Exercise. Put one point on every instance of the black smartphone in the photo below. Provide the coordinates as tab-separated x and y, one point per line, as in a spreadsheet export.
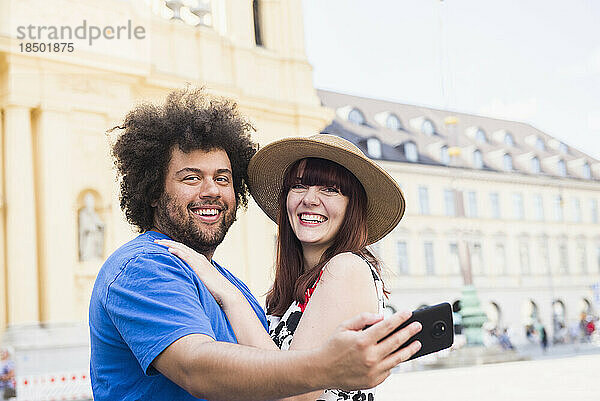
438	329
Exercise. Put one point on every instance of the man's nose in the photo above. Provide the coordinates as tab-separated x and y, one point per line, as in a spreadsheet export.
311	197
209	189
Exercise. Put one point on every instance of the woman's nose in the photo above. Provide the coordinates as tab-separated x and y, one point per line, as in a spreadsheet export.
311	197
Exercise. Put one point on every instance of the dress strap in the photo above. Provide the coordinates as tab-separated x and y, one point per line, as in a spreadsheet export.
373	270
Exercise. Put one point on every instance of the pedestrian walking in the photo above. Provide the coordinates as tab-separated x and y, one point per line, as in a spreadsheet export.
543	338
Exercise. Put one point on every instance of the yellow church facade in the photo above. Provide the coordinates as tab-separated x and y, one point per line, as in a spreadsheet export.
57	178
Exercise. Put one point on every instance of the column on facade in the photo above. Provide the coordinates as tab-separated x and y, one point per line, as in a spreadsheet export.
56	223
21	213
3	297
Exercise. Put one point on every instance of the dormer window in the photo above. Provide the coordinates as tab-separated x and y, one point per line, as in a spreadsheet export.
587	171
480	136
428	128
535	165
444	157
374	148
562	168
563	148
410	151
509	140
356	116
477	159
393	122
507	162
540	144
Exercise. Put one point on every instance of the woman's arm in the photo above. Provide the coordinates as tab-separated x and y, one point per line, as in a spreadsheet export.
345	289
246	326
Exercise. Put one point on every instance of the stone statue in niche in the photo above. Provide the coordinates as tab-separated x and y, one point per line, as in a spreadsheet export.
91	231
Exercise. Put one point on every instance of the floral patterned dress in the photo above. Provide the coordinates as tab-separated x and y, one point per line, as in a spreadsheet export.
282	329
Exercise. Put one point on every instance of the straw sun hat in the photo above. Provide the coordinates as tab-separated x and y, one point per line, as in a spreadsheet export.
269	165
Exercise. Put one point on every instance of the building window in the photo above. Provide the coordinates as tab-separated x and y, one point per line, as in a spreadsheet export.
428	128
524	258
449	202
477	159
374	148
471	204
535	165
587	171
429	260
410	151
576	205
544	253
444	157
480	136
454	259
562	168
402	254
507	162
257	23
538	207
540	144
495	205
476	259
563	148
582	257
519	212
558	208
356	116
594	210
563	258
509	140
393	122
500	259
424	200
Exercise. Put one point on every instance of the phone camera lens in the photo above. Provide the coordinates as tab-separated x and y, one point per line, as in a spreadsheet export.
439	329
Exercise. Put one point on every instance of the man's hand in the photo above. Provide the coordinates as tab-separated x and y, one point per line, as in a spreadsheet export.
354	358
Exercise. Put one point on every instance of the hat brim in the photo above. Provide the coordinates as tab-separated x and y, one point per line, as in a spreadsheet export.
267	168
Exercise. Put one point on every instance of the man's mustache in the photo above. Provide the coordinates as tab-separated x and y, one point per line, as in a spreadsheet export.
221	205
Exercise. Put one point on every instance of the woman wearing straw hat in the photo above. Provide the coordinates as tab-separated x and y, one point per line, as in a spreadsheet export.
330	201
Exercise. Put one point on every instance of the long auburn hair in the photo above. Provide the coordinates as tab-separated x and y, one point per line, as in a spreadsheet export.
292	278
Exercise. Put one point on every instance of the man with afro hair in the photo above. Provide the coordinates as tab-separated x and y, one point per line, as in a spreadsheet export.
156	332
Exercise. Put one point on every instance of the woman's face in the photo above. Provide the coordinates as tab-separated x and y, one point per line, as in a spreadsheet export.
316	213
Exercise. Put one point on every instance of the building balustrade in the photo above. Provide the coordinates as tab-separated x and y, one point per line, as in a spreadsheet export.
191	12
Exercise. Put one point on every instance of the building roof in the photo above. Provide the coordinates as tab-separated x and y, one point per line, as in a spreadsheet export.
453	130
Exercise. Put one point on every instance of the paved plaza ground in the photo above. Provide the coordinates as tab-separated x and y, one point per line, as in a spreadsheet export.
562	377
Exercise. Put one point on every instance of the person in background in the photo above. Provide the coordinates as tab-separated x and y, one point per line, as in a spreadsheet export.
7	375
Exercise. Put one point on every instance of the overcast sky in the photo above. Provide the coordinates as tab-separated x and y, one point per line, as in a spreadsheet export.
530	60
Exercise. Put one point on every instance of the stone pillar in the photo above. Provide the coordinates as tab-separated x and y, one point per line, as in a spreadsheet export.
56	222
3	297
21	213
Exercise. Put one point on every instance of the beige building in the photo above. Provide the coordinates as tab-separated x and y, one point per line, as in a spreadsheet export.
524	204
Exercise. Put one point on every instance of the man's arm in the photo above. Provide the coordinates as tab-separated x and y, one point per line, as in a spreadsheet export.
351	359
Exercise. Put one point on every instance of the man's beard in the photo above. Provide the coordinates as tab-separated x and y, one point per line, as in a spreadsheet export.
174	220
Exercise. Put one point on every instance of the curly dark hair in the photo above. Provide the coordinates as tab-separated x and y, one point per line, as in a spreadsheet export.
191	120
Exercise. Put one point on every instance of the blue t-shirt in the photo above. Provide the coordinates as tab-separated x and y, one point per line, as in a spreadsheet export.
143	300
